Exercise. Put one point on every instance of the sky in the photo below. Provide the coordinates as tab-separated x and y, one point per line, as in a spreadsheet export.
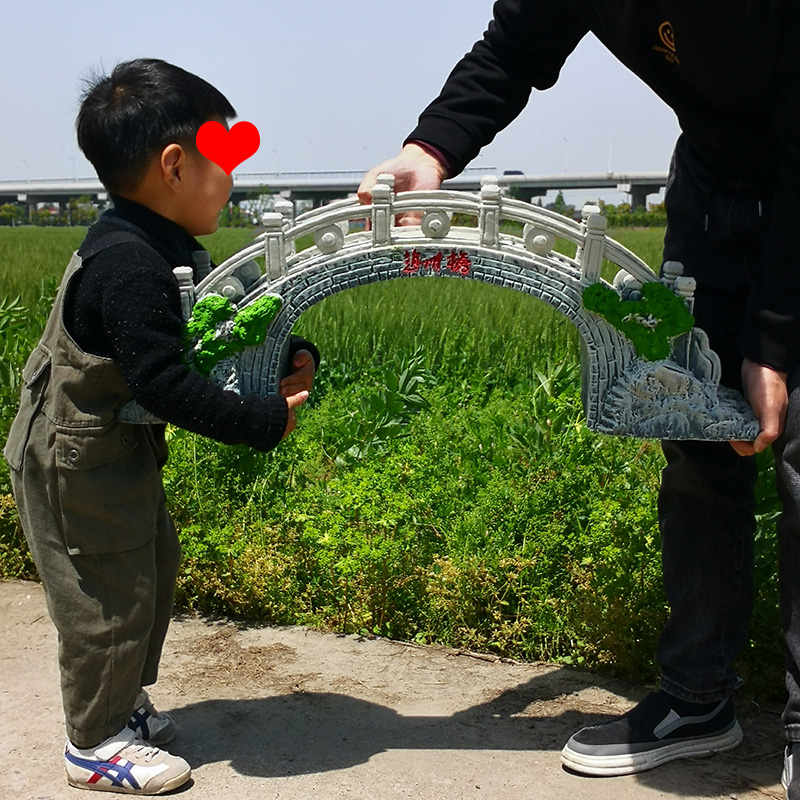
330	84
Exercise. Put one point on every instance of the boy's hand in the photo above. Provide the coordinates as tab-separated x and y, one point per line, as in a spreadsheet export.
293	401
296	386
301	378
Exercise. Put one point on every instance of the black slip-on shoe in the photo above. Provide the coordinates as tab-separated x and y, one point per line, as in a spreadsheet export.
652	734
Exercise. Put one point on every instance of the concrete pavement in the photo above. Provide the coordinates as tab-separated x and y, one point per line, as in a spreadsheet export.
297	714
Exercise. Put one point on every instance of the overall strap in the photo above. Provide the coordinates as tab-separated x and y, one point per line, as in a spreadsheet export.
106	240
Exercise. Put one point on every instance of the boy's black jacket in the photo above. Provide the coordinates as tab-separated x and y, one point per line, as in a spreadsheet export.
730	71
124	304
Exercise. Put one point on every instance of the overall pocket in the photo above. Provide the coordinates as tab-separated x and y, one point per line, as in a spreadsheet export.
109	487
35	377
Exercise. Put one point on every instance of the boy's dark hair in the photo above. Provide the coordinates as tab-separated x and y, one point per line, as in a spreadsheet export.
136	111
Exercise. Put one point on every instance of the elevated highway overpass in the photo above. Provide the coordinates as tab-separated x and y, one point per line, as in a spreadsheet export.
320	187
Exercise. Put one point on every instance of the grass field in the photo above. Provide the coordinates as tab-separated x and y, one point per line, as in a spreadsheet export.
470	328
475	511
30	255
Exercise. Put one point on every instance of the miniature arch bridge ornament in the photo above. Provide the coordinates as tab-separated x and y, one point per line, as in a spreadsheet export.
646	372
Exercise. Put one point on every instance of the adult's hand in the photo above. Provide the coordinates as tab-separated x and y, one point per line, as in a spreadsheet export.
413	169
765	388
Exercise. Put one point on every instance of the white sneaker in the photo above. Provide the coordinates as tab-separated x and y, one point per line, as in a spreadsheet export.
150	725
125	764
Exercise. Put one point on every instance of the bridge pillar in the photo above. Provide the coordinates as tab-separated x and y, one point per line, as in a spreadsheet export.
30	206
526	193
638	194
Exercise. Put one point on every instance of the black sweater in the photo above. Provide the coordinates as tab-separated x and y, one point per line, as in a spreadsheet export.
125	304
731	73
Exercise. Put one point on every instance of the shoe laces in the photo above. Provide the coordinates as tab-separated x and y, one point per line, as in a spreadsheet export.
145	751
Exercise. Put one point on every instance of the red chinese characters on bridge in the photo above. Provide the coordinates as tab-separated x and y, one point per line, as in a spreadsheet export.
457	262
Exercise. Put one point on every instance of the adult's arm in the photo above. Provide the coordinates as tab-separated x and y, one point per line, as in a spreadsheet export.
770	336
524	47
771	331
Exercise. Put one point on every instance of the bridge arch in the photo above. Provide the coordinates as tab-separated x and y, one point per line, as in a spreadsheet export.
623	393
558	285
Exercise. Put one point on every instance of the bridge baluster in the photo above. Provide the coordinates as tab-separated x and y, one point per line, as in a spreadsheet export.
202	264
594	245
489	214
274	246
588	208
670	272
185	278
286	209
684	287
381	217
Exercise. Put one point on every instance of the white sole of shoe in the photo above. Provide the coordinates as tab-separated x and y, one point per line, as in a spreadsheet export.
630	763
168	786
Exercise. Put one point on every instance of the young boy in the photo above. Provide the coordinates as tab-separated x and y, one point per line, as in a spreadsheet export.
88	487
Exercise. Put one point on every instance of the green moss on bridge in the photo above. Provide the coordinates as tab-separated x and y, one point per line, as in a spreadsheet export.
209	339
649	323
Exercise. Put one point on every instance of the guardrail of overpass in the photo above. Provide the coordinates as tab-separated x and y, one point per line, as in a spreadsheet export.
322	185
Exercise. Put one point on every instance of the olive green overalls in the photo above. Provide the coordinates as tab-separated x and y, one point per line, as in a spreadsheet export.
91	503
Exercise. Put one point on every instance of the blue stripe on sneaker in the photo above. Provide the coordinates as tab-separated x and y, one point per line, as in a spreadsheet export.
116	772
139	721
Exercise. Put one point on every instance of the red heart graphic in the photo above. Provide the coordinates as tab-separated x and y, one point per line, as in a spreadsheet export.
228	148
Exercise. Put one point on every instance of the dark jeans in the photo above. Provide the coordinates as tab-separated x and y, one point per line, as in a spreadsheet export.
787	461
716	230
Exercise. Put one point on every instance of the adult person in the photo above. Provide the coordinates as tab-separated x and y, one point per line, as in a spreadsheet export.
731	73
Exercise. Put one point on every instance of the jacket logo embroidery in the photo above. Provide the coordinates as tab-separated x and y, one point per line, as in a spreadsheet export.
667	47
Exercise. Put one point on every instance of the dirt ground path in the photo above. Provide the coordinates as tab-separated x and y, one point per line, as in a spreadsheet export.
296	714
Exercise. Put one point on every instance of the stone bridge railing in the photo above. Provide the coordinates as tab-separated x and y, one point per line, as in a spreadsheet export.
630	386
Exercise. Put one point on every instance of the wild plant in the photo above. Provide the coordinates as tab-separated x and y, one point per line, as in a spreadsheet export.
383	413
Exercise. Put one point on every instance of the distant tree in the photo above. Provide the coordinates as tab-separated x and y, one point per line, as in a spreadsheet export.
48	217
657	215
11	214
623	216
608	209
559	205
81	211
232	216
